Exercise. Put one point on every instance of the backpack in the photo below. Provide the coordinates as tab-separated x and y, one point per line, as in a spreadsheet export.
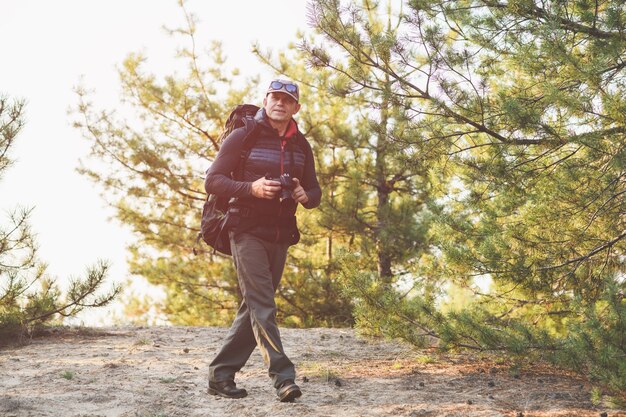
215	210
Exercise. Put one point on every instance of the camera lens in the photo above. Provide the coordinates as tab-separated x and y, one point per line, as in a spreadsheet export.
286	182
286	185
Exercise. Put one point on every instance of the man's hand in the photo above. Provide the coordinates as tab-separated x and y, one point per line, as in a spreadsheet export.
263	188
298	193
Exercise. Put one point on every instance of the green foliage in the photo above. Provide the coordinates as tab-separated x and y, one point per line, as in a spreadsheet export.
29	298
595	344
514	112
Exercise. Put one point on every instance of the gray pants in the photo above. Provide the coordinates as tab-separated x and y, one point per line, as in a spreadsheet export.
259	267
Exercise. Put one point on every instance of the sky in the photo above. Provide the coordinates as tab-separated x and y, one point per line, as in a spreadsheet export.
50	47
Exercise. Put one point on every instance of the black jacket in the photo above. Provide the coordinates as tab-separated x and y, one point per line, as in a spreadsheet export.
271	154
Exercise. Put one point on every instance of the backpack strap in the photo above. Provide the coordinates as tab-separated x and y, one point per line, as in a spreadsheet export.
250	125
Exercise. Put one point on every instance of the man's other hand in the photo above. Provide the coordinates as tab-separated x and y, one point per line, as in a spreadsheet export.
298	193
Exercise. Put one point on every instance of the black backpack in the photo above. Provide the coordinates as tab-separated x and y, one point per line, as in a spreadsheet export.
215	210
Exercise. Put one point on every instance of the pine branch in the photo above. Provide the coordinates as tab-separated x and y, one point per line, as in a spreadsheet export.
537	12
589	255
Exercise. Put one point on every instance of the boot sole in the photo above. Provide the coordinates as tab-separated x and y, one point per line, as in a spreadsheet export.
290	395
221	394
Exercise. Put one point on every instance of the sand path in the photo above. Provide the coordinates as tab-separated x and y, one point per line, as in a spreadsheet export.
161	371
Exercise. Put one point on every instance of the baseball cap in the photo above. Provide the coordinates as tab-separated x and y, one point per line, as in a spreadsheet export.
284	86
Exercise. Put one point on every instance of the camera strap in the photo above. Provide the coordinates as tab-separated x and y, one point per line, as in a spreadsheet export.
287	146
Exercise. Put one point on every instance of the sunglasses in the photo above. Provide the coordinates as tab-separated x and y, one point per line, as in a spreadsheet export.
290	88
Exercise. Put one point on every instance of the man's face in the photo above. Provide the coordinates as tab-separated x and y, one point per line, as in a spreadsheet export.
280	107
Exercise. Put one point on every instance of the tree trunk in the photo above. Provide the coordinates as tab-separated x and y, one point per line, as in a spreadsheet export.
383	191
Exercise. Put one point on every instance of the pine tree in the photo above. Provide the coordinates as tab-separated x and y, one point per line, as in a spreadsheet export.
153	175
28	296
373	198
516	109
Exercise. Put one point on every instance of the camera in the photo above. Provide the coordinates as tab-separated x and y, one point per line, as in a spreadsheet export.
286	185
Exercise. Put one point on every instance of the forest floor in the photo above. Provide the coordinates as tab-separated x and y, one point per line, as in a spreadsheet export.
162	371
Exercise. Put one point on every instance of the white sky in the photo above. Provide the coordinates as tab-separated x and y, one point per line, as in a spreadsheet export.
46	46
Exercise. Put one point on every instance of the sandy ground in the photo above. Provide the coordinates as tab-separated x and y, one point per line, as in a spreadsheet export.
162	371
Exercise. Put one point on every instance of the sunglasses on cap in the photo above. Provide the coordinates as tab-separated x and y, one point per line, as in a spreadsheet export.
289	87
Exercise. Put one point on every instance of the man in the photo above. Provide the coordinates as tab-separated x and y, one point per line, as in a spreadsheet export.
262	225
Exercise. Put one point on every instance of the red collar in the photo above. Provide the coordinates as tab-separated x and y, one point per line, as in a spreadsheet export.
292	129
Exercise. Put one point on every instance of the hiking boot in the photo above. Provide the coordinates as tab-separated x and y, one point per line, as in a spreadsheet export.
226	389
288	391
